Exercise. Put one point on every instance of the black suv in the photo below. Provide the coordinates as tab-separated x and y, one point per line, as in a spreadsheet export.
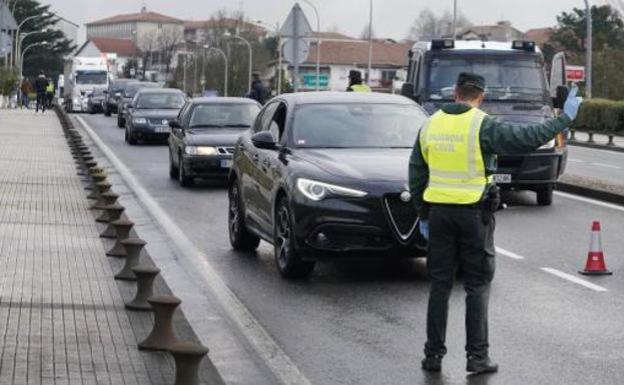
202	138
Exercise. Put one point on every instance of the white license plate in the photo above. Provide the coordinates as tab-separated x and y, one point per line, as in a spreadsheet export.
226	163
502	178
161	129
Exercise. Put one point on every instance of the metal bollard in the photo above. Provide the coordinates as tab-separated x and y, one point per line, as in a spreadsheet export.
114	212
187	357
122	229
162	336
145	287
105	217
133	248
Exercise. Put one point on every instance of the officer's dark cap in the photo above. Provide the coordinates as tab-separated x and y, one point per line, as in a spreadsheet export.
355	74
467	79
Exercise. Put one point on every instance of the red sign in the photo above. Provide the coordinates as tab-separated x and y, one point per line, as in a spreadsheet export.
575	73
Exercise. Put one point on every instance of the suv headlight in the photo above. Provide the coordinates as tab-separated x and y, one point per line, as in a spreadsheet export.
201	150
317	191
548	146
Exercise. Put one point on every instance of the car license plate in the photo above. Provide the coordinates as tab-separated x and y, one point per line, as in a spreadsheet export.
162	129
502	178
226	163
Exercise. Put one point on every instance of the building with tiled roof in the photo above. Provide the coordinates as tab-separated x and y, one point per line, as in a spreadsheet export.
339	56
202	30
116	51
144	28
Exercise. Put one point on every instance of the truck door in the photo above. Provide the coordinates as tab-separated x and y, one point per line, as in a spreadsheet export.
558	89
411	88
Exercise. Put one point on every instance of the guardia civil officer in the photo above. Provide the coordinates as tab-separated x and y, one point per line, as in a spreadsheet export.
355	82
450	179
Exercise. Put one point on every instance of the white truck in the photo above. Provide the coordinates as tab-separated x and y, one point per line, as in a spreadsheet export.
82	76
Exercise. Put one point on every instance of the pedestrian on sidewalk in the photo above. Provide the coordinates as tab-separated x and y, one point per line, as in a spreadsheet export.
26	89
40	87
49	97
258	91
355	82
450	178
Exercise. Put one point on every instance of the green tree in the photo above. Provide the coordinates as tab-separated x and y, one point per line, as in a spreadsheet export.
608	46
51	57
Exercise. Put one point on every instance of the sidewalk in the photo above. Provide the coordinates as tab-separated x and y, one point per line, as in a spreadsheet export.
62	316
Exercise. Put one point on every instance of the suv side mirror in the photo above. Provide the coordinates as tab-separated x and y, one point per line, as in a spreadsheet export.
562	95
264	140
174	123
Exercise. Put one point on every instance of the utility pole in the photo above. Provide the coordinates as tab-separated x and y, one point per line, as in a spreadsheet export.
370	41
588	52
454	29
296	49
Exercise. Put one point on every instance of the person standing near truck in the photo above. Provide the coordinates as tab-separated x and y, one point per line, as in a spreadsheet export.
40	87
450	178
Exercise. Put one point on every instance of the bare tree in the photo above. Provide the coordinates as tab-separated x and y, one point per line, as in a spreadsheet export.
168	42
364	35
429	26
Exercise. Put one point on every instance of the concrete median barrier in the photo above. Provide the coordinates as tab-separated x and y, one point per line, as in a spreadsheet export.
188	357
145	276
163	336
133	248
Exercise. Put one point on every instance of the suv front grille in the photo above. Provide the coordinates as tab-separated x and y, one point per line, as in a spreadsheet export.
158	121
403	216
225	150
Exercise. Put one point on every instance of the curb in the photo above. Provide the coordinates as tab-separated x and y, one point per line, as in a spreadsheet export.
596	146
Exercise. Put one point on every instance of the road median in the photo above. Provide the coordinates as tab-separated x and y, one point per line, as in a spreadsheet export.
593	188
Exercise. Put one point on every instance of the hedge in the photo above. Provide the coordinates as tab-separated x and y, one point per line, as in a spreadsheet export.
601	116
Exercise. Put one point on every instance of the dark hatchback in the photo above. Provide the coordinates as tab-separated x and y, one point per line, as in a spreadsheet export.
325	174
114	93
202	138
126	98
150	114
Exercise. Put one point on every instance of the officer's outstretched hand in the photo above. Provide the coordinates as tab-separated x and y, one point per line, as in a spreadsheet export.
423	226
573	103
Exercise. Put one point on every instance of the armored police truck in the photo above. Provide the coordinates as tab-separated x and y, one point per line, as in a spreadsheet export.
517	90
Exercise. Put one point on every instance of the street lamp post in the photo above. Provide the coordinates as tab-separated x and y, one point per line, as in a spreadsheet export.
588	52
17	32
370	41
250	54
454	28
225	61
318	44
23	53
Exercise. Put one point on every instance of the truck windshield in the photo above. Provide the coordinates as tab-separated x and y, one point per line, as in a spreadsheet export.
91	77
505	78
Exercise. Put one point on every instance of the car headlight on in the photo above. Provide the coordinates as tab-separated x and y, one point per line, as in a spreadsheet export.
139	121
317	191
548	146
201	150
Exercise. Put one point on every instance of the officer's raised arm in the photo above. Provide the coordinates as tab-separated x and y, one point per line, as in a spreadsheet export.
507	138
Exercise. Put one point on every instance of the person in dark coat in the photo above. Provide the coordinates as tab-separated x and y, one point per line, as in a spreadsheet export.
40	87
258	90
26	89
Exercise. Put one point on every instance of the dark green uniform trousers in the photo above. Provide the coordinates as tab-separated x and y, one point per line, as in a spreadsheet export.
458	237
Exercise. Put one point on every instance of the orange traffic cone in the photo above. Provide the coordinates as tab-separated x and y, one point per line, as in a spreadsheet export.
595	258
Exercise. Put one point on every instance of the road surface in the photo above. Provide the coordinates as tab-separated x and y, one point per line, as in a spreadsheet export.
363	322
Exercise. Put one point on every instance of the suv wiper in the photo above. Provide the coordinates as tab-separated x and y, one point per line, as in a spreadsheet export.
206	126
237	125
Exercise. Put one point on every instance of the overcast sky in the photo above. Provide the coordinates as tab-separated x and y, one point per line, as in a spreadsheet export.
392	18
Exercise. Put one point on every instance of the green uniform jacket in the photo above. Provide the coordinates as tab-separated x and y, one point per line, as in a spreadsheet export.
496	137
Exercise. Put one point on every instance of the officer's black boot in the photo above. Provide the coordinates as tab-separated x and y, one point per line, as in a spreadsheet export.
432	363
481	365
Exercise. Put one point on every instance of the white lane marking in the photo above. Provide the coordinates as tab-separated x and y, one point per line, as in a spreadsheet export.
275	358
605	165
590	201
508	253
575	160
573	279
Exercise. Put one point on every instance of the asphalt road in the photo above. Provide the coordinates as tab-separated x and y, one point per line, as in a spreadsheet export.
362	322
595	163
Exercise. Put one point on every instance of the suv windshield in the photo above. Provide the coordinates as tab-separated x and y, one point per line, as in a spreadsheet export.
505	78
91	77
357	125
223	115
160	101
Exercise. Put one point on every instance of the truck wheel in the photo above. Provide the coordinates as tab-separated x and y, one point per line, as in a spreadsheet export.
545	196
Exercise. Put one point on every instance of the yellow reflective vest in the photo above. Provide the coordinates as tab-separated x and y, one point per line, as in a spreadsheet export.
451	147
50	87
360	88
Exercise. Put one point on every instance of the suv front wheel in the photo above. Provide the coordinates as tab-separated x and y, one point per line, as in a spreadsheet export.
289	262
